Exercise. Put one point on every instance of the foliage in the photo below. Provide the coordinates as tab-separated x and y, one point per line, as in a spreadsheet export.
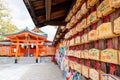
6	26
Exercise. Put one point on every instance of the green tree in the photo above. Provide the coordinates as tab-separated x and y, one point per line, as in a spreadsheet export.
6	26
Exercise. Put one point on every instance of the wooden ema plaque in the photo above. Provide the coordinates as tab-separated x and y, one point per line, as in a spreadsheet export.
74	9
84	9
104	9
72	42
68	26
84	38
92	35
77	53
69	16
92	18
109	30
115	3
88	20
75	65
83	23
94	74
85	71
99	30
73	20
74	31
79	68
77	40
78	15
78	27
68	53
72	64
78	4
105	31
91	3
85	54
110	56
94	54
71	53
117	26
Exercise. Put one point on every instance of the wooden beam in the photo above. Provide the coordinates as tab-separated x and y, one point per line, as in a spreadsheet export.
48	9
26	40
32	12
58	7
14	44
55	2
56	23
38	4
58	14
40	12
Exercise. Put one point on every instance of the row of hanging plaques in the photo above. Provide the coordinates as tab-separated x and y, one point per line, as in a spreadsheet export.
104	31
88	72
107	55
104	9
105	6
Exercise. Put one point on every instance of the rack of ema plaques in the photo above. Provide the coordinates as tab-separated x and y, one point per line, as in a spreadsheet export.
93	39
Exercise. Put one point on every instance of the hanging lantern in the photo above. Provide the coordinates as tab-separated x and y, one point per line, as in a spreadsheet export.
25	46
22	45
32	45
14	50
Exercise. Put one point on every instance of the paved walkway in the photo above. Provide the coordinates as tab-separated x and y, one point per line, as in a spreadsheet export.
40	71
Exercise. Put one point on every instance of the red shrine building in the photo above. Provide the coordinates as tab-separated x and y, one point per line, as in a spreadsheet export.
27	43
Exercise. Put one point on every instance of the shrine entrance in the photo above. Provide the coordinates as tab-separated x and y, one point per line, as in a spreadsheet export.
28	50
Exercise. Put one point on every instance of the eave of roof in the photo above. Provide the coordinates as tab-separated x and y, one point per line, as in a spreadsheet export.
26	30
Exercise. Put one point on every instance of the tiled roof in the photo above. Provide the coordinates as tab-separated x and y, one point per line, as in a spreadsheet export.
27	30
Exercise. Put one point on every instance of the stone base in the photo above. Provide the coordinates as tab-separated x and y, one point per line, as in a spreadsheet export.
15	60
36	60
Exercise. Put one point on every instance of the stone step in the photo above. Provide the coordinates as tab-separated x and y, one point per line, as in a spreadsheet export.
26	60
23	60
7	60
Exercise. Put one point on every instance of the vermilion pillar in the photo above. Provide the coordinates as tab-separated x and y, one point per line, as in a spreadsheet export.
17	51
37	51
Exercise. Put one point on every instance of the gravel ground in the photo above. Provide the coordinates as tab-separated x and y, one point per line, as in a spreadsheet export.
40	71
43	71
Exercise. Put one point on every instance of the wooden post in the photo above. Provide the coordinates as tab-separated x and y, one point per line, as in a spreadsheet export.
17	51
37	51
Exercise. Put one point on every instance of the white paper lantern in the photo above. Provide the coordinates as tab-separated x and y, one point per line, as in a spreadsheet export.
14	50
32	45
22	45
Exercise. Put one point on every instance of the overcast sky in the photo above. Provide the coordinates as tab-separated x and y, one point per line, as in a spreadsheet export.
21	18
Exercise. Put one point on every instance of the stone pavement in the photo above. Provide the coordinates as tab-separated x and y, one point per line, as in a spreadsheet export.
40	71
